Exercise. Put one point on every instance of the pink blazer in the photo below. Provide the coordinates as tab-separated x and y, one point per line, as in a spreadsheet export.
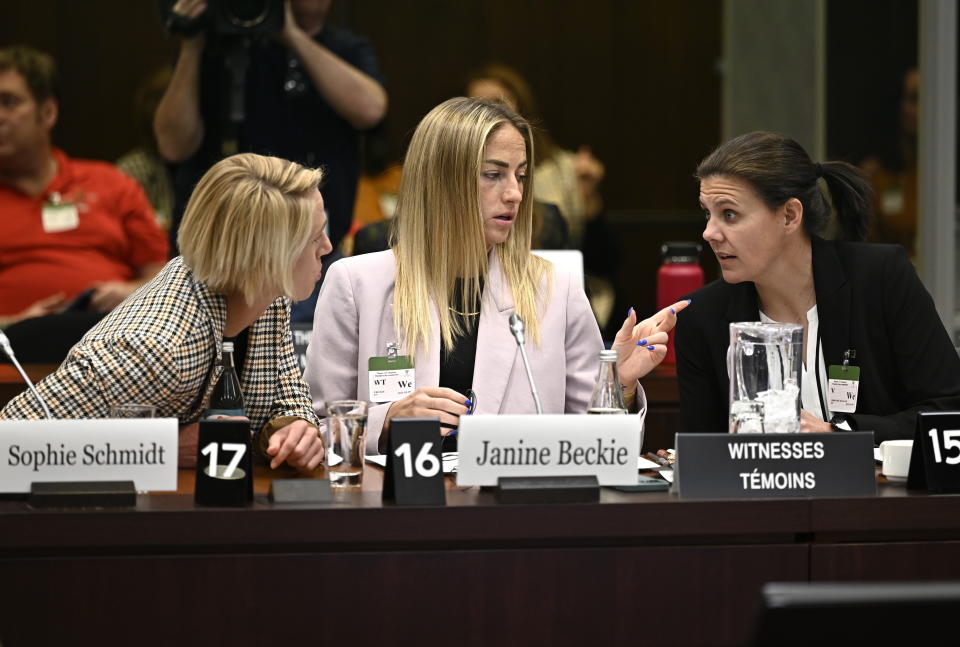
354	321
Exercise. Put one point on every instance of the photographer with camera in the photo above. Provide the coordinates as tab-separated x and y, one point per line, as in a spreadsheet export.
268	77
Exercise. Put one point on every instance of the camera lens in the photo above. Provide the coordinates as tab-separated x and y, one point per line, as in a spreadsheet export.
246	13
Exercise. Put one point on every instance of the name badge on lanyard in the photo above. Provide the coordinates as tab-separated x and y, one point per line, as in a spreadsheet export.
391	377
59	216
844	385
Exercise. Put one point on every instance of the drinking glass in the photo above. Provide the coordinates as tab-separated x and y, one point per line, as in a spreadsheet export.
347	425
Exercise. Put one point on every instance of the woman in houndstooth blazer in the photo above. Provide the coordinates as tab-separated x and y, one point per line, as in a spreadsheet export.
251	238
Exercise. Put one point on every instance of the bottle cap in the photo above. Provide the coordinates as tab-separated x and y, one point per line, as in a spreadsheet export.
608	356
682	251
227	347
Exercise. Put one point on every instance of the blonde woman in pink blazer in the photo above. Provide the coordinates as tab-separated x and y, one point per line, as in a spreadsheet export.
459	266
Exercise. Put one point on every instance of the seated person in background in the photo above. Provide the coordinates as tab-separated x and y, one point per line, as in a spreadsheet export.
892	173
564	178
251	238
460	266
764	209
69	226
143	162
549	232
569	180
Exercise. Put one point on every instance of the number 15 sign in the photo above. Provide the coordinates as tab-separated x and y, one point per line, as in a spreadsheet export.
935	461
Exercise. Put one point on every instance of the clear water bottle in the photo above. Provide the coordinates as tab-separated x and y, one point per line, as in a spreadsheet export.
607	395
226	399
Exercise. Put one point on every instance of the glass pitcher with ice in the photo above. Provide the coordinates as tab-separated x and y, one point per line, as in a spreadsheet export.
764	361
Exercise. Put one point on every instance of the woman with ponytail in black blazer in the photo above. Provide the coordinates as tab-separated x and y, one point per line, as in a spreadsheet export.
857	301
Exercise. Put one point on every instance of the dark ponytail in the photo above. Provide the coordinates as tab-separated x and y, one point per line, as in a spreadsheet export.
778	168
851	198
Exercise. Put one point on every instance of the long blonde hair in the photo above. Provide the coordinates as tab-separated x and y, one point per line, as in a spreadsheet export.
438	236
246	223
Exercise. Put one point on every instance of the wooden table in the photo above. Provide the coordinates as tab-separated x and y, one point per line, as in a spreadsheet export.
634	569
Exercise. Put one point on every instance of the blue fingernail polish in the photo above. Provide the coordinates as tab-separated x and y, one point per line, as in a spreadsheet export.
629	311
689	300
642	342
672	311
651	347
468	403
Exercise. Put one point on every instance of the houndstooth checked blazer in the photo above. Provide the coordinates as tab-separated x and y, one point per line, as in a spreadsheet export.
162	347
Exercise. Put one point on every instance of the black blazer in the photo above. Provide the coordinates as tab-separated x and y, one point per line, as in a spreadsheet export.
869	299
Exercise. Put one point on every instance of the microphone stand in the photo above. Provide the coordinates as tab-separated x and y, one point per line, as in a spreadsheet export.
517	328
8	350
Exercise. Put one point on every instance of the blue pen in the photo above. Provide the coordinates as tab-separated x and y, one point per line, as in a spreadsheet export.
471	404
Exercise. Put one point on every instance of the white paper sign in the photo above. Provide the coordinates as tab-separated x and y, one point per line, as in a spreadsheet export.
142	450
548	445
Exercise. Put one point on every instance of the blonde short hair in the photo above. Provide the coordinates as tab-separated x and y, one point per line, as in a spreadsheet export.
438	235
247	221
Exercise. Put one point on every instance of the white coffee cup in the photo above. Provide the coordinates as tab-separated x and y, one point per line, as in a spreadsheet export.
895	455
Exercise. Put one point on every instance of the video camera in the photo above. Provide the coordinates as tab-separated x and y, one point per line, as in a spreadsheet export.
227	17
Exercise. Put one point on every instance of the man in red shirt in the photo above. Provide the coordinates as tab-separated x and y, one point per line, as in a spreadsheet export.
67	227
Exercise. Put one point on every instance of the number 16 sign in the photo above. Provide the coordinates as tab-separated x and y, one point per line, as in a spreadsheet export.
414	475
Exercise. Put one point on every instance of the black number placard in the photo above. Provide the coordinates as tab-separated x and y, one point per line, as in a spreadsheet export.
224	475
414	473
935	459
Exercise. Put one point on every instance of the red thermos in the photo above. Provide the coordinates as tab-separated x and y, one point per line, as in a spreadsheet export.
680	274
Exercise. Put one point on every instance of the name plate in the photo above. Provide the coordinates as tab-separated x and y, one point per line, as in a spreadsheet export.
142	450
491	447
731	466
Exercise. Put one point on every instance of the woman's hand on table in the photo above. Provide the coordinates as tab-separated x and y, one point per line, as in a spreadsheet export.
430	402
809	423
299	444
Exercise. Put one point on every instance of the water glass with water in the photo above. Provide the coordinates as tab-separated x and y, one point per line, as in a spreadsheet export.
347	425
764	362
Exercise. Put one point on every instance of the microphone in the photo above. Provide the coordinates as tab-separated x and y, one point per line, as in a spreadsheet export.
517	328
8	350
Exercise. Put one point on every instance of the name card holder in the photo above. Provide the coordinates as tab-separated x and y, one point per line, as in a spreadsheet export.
935	458
734	466
83	494
301	490
547	489
414	474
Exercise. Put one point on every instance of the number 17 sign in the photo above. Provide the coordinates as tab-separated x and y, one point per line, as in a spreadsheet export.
935	460
414	474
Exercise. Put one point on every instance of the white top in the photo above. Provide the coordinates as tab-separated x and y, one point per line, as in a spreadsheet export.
809	394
